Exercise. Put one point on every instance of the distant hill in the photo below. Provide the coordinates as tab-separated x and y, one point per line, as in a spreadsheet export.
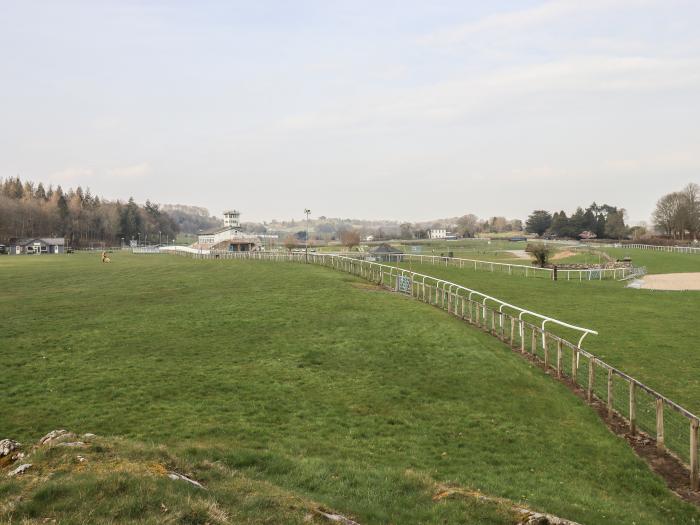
191	219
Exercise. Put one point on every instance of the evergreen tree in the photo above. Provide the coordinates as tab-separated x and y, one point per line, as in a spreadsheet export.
130	220
560	224
40	193
615	225
63	213
538	222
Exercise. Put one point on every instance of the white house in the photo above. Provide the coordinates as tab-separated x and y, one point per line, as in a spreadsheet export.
437	234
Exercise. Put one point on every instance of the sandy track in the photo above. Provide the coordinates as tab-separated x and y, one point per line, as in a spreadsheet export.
671	281
562	255
520	254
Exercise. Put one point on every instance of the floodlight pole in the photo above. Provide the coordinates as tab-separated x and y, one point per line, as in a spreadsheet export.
306	237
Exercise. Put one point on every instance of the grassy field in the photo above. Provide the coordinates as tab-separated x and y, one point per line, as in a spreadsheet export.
655	262
481	249
302	384
498	250
650	334
658	262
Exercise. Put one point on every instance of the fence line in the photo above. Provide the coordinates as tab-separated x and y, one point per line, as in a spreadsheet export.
675	249
674	428
591	274
146	249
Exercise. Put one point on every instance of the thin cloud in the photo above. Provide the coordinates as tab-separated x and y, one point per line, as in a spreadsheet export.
451	101
509	21
71	175
130	172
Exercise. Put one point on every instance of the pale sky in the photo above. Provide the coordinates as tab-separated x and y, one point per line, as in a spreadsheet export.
404	109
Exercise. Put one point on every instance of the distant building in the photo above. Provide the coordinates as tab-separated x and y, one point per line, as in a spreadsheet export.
36	246
230	238
586	235
441	234
232	219
385	252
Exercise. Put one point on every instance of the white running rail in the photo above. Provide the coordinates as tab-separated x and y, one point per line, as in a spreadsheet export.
388	275
591	274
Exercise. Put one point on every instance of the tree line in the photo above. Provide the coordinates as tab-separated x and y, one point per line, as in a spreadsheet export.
34	210
594	222
677	214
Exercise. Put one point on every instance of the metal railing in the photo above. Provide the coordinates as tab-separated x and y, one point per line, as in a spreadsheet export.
590	274
146	249
674	428
657	248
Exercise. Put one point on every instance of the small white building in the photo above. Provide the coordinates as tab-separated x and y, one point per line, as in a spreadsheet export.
232	219
229	237
437	234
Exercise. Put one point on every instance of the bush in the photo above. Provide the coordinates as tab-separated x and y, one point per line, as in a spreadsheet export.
540	251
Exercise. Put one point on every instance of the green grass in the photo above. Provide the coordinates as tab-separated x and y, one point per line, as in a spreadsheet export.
655	262
650	334
307	380
483	250
659	262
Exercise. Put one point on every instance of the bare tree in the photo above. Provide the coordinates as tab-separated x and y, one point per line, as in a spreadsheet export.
665	213
406	230
349	238
691	198
468	225
290	242
678	213
498	224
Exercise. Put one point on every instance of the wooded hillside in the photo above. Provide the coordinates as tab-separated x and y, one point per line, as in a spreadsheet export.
32	210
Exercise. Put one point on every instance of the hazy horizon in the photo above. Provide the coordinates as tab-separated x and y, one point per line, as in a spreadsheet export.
397	111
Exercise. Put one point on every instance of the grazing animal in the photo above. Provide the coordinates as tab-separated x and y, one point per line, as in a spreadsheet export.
105	259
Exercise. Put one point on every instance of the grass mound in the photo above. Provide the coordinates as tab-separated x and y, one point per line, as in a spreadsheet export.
123	481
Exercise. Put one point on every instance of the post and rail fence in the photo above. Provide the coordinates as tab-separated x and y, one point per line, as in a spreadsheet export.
660	248
589	274
674	428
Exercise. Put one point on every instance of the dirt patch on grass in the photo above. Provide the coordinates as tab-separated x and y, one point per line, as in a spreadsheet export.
671	281
520	254
562	255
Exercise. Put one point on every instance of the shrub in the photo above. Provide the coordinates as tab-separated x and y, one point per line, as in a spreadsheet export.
540	252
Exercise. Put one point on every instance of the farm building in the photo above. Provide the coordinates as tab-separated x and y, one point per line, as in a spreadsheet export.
385	252
36	246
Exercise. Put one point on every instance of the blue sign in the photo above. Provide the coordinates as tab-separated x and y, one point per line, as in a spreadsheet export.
403	284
